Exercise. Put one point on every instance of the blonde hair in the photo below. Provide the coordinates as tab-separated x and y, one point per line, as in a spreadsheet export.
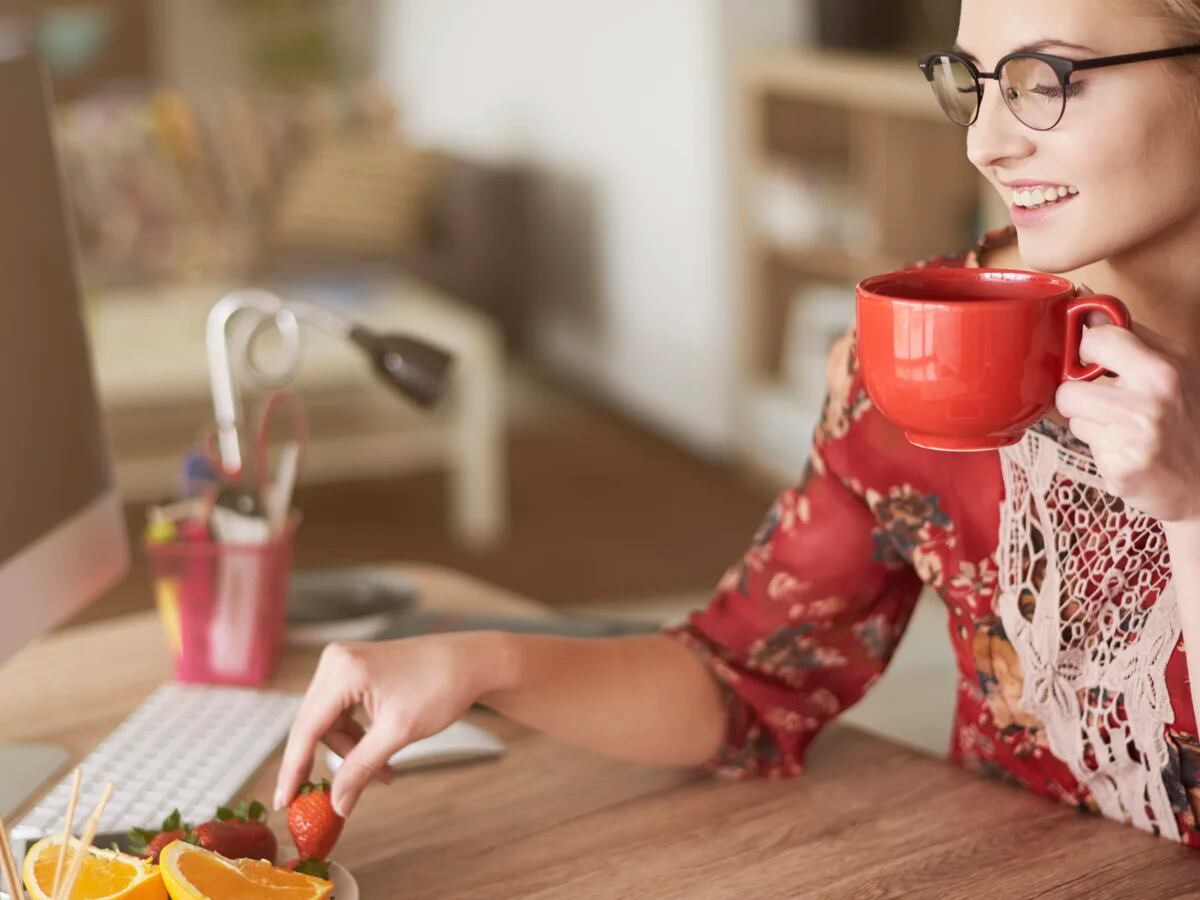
1181	25
1182	18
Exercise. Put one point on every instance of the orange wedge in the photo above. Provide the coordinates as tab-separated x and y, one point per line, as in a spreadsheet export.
106	874
193	873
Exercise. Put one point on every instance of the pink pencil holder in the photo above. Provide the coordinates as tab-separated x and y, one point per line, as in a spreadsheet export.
223	606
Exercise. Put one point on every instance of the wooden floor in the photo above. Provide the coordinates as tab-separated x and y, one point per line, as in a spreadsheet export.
600	510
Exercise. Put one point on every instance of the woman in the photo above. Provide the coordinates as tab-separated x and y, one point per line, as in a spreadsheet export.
1054	557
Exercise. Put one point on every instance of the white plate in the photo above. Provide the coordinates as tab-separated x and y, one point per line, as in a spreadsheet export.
344	885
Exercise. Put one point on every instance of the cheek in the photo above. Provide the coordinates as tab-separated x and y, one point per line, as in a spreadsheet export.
1151	194
1113	138
1138	175
1141	164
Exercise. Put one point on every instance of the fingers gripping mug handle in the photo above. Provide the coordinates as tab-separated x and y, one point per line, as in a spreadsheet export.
1077	310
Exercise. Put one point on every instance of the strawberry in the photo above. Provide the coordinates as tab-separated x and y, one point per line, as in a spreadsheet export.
149	843
240	833
159	843
315	827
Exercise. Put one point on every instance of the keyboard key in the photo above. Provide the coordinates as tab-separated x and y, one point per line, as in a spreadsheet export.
192	746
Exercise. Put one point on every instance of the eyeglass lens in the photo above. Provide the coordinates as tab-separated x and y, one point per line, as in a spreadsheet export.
956	89
1030	87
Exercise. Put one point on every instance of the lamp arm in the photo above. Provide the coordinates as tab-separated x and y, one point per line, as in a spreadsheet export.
413	366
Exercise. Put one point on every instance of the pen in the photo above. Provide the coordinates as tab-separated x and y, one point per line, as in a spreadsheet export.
197	476
279	502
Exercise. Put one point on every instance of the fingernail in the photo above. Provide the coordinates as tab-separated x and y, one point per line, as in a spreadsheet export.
278	801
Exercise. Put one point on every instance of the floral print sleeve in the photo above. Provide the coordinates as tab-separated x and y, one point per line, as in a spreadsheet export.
806	621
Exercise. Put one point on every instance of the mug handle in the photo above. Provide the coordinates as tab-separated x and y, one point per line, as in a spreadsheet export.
1077	310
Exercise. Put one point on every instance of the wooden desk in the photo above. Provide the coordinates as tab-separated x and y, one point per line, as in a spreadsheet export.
869	819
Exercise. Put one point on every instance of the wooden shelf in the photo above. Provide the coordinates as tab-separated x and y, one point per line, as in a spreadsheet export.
887	85
905	163
833	263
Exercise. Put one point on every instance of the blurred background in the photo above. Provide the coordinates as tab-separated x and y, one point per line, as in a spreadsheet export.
638	225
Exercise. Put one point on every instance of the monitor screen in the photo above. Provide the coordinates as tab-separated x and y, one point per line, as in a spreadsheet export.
52	460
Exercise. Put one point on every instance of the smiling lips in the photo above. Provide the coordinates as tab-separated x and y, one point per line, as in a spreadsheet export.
1042	195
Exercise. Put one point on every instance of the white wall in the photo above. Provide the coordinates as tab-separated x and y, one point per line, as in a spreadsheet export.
622	103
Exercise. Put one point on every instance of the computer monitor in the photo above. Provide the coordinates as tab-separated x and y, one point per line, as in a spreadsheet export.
62	532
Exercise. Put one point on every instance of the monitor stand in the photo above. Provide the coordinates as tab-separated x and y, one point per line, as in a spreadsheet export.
24	770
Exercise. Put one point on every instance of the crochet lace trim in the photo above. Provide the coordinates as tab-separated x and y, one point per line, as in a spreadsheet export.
1087	600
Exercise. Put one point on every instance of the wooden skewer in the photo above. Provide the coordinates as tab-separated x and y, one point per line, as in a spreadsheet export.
89	833
15	890
67	826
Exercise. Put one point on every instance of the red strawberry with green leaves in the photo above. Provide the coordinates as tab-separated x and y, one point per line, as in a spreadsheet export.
314	825
240	833
149	843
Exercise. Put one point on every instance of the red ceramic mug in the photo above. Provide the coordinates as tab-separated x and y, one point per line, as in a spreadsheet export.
967	359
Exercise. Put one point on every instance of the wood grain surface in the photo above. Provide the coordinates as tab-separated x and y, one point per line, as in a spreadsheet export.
868	819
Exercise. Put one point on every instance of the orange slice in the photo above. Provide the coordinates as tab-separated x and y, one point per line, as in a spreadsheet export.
106	874
193	873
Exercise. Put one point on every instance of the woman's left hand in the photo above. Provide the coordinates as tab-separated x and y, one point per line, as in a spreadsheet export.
1144	427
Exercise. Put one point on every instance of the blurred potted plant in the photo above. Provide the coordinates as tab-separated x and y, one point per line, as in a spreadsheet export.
290	43
932	23
858	24
895	25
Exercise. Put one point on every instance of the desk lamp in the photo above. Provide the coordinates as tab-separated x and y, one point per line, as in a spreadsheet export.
412	366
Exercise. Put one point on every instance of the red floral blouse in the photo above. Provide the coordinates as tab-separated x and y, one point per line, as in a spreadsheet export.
808	619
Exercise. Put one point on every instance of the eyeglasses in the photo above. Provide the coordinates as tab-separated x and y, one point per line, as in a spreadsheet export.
1035	86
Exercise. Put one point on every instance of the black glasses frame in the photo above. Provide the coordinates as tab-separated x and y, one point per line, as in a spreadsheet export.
1064	68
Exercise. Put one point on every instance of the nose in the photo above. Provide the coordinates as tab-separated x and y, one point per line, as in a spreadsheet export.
996	135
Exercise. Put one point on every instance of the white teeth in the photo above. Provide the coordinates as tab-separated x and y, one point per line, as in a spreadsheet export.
1042	195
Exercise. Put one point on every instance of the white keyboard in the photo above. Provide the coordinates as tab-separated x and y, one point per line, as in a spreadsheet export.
187	747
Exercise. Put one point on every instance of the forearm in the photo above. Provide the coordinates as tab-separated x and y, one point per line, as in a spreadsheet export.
1183	539
646	699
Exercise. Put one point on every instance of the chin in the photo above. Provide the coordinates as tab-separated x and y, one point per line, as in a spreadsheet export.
1053	253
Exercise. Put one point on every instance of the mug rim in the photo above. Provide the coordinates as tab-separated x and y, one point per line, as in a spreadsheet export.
1056	286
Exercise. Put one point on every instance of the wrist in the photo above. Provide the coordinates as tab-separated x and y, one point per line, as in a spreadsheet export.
494	659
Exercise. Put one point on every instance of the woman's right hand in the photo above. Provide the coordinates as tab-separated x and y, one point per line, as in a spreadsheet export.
409	689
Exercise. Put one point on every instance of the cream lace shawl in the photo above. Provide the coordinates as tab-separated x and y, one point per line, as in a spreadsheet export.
1087	600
